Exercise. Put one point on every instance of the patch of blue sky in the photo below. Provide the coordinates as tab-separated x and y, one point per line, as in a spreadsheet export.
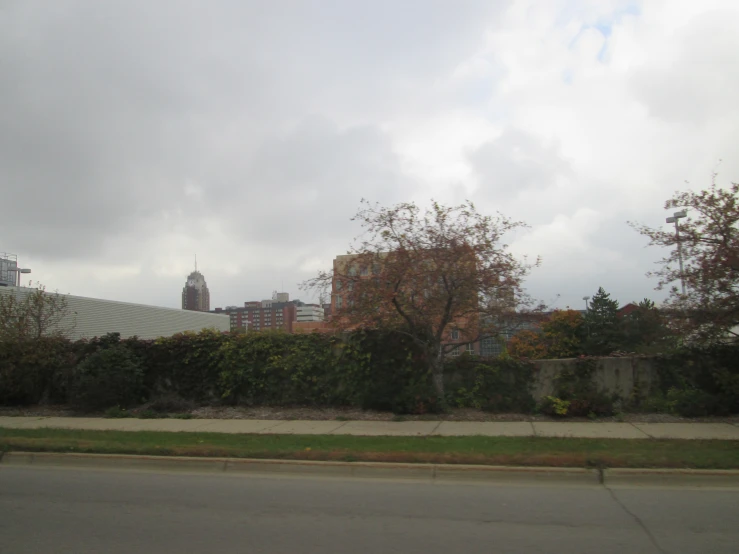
605	26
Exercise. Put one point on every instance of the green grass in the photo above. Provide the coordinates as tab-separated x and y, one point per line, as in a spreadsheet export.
525	451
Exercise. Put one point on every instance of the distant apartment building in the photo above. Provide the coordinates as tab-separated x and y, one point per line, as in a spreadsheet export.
195	294
309	312
276	313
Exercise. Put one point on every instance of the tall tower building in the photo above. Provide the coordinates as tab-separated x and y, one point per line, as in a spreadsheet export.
195	294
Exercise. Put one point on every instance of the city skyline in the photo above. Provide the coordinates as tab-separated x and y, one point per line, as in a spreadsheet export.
251	139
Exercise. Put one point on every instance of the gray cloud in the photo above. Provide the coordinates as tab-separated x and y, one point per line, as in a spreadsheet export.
111	111
516	162
689	82
134	134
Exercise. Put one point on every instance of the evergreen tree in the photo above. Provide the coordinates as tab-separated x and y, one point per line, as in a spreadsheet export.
602	325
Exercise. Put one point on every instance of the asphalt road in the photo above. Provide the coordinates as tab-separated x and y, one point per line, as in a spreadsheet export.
83	511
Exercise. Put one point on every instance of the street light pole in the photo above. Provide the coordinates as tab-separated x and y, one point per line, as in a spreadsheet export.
677	216
18	272
587	309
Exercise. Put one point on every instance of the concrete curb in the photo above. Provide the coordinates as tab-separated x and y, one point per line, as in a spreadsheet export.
376	470
629	477
301	468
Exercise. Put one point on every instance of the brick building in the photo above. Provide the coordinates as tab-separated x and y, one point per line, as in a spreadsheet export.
261	315
349	270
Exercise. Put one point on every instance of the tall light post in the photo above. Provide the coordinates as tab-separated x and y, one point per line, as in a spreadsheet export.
587	308
676	217
18	272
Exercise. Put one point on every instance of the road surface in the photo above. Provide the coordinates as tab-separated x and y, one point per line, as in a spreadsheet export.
86	511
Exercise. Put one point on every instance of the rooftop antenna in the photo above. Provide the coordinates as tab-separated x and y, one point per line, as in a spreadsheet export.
196	262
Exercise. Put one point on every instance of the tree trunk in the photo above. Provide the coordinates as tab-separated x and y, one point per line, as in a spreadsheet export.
437	377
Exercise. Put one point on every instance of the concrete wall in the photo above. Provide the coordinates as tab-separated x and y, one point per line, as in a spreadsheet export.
93	317
612	375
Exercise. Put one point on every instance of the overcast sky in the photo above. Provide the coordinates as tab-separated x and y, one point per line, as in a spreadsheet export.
136	134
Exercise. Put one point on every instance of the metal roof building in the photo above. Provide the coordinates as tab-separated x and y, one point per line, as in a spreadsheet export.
93	317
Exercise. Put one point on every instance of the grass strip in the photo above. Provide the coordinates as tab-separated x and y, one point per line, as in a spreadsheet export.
519	451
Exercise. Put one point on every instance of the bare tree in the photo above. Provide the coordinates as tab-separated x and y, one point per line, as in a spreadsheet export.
441	276
38	314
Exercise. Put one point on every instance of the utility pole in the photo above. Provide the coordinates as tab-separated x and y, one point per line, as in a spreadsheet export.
676	217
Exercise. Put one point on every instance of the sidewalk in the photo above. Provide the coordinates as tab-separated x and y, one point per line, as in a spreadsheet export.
695	431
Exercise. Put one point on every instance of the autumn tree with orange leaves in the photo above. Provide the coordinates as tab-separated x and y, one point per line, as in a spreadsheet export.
561	335
443	276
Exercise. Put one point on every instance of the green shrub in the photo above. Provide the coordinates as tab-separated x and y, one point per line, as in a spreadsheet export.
280	369
385	370
692	402
109	377
33	371
692	375
186	364
553	406
171	403
578	387
150	414
493	385
116	412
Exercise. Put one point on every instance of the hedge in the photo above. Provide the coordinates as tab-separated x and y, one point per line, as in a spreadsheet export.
364	369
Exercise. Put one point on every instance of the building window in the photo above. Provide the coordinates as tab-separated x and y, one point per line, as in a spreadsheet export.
455	334
471	349
352	270
455	351
365	271
339	301
339	284
491	347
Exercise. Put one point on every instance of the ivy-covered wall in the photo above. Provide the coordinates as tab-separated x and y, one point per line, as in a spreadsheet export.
365	369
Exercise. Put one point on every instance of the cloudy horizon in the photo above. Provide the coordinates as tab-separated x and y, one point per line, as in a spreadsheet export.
135	135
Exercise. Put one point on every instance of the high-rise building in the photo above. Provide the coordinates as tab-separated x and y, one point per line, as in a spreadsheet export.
8	269
195	294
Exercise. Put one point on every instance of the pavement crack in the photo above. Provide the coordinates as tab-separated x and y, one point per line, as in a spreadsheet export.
435	428
638	521
339	427
647	435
